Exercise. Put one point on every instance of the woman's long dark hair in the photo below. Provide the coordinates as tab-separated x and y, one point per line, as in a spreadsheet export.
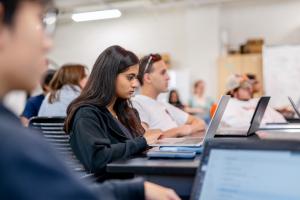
100	88
178	103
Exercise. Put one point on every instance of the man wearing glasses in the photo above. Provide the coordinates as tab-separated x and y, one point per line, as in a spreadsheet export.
154	78
29	168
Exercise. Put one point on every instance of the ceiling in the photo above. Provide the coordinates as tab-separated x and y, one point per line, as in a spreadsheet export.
71	5
67	7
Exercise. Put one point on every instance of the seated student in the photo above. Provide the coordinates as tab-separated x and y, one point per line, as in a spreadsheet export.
241	107
65	86
154	78
34	103
199	103
29	168
175	100
103	126
256	86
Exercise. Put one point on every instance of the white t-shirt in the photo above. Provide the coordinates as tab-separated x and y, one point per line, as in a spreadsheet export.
158	115
239	113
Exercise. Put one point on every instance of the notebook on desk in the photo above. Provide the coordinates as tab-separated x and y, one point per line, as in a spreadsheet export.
257	170
197	141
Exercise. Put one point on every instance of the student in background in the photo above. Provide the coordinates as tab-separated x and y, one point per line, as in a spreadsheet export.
103	126
65	86
286	111
29	168
175	100
200	104
154	78
256	86
239	87
241	107
34	103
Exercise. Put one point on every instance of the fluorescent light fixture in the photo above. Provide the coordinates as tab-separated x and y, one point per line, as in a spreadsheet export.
96	15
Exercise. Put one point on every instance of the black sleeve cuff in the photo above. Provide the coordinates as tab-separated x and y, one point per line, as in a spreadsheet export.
133	189
142	141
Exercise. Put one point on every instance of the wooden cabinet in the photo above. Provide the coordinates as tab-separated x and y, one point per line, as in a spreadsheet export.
241	64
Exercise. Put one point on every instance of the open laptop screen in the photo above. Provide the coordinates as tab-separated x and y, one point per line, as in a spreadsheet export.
248	174
243	117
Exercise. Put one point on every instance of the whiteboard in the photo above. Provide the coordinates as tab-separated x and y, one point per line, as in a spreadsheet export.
281	73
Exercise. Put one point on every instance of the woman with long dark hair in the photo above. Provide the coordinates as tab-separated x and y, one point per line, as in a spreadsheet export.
175	100
102	124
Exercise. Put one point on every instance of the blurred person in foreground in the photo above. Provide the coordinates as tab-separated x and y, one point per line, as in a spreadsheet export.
34	103
27	161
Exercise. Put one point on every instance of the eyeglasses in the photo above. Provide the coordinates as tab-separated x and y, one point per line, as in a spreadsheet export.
153	58
49	21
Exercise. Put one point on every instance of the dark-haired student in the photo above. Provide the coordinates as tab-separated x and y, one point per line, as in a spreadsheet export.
175	100
29	168
154	79
102	124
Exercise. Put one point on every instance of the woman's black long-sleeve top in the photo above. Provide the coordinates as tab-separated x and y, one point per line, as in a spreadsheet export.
97	139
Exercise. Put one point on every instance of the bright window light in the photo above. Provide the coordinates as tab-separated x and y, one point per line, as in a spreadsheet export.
96	15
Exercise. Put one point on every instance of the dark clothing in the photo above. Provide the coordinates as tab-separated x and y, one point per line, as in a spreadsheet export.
32	106
124	129
97	139
31	170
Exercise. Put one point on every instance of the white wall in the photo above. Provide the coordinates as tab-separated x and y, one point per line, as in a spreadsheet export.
189	35
277	21
202	46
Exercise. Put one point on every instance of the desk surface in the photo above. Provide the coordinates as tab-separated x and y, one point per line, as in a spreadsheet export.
177	174
144	165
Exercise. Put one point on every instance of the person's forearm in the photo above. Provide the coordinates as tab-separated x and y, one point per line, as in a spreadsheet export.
24	121
197	125
174	132
193	110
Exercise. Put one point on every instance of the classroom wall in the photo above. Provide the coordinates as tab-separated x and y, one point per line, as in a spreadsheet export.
190	36
277	21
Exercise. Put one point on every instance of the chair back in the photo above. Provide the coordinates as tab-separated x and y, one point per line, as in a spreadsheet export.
52	128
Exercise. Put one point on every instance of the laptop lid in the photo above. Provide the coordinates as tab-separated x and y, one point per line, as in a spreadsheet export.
209	133
294	107
216	119
253	125
244	170
258	114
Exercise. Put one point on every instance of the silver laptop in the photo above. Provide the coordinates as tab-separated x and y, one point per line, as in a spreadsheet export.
282	126
294	107
197	141
244	170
